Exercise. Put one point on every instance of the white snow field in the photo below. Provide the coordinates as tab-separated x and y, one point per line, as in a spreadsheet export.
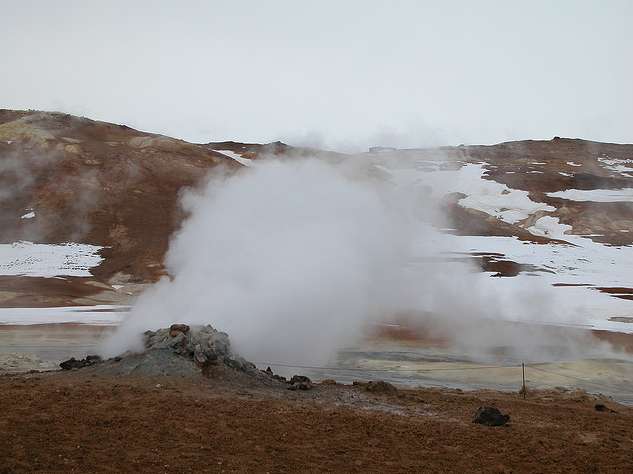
548	226
48	260
509	205
596	195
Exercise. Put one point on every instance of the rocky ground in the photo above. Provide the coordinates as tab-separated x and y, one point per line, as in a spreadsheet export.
81	421
188	404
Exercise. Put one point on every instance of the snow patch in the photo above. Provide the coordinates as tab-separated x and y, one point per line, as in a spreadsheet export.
491	197
571	163
595	195
496	199
48	260
617	165
235	156
28	215
548	226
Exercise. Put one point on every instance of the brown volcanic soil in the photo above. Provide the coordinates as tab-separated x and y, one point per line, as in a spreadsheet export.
97	183
74	422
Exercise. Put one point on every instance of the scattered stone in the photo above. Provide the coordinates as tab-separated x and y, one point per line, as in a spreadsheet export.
380	386
73	363
328	382
279	378
300	379
602	407
490	416
300	382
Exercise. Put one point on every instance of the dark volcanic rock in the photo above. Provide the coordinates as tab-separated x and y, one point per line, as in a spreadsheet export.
603	407
300	382
490	416
277	377
300	379
73	363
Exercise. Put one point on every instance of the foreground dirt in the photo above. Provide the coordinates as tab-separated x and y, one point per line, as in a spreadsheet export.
86	423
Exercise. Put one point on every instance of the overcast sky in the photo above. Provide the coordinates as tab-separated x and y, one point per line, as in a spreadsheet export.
336	73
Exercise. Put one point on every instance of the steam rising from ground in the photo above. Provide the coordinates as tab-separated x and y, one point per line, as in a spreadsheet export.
296	258
290	258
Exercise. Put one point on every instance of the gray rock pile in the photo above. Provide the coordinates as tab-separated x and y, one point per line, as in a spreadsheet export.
203	344
187	351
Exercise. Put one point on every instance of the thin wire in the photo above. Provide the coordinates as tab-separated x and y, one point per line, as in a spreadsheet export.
436	369
395	369
571	377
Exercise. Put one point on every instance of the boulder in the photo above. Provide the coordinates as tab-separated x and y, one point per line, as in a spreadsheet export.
490	416
603	407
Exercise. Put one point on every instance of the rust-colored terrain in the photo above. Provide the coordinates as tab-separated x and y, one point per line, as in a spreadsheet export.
97	183
75	422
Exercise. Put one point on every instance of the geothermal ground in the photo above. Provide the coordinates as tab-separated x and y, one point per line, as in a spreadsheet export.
87	213
187	403
76	422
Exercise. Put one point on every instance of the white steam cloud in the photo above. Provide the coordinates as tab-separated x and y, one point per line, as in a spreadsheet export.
294	258
290	258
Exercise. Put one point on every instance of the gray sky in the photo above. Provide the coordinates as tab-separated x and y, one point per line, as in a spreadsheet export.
332	73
